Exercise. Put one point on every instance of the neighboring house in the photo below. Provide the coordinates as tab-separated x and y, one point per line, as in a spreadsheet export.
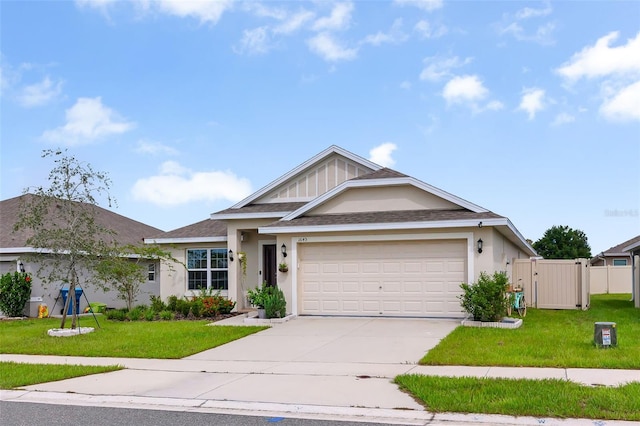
359	239
634	250
14	251
616	255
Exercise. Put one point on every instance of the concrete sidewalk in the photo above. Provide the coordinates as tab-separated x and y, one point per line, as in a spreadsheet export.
307	367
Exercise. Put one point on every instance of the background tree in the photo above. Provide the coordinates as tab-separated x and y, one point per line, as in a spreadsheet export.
62	222
562	242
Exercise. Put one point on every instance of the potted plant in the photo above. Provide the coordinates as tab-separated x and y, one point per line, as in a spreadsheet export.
283	267
256	296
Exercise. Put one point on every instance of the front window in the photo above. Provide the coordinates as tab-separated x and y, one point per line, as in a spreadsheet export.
207	269
619	262
151	272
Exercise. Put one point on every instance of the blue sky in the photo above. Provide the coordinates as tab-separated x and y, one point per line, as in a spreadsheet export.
529	109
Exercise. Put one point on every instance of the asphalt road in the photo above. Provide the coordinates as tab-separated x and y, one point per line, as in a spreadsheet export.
29	414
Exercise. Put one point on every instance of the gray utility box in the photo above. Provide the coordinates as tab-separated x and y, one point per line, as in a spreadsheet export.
31	307
605	334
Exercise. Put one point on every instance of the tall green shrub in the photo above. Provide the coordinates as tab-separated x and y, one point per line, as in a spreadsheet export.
485	300
275	305
15	290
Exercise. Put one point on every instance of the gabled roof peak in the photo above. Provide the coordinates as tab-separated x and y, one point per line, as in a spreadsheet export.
333	149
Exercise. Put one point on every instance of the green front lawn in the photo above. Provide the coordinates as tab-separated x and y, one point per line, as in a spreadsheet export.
140	339
548	338
14	375
538	398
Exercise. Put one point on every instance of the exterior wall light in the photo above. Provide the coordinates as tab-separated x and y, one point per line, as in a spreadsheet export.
21	266
283	249
479	245
230	255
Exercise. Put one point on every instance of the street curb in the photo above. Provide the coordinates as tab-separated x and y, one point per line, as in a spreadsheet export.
300	411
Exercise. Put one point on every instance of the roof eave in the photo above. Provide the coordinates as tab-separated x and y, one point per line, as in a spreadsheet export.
185	240
261	215
381	226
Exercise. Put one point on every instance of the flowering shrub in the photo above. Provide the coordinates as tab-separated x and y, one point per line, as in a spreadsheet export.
216	305
15	290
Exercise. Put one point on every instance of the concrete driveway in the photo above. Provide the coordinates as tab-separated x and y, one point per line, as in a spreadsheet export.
308	361
337	340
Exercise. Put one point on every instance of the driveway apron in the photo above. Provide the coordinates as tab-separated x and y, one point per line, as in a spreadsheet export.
340	362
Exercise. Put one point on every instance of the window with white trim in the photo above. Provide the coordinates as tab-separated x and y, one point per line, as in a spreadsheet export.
619	262
151	272
207	268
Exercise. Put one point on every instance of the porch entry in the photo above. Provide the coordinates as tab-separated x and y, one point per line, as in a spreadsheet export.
269	267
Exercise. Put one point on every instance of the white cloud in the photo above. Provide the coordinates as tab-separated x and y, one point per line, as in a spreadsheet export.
439	67
426	30
339	19
617	68
330	49
294	22
176	185
205	10
465	89
88	120
40	93
469	91
405	85
394	36
563	118
624	105
601	60
255	41
513	25
532	101
529	12
428	5
381	154
153	148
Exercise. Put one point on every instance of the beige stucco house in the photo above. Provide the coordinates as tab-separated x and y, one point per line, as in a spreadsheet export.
358	239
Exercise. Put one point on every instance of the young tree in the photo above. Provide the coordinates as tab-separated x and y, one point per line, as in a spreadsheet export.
562	242
124	273
62	222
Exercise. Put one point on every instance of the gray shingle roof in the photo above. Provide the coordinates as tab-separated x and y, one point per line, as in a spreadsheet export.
264	208
127	231
386	217
204	228
617	250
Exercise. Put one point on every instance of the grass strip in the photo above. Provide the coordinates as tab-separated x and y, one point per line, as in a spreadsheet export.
15	374
140	339
548	338
537	398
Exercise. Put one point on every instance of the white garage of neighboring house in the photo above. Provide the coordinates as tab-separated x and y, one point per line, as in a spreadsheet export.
357	238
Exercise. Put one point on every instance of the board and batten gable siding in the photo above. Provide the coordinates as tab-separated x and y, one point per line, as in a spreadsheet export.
316	181
405	197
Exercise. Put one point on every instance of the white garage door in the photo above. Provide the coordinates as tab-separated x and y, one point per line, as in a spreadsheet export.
389	278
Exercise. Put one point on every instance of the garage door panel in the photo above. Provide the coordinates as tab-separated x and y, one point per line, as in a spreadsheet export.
394	278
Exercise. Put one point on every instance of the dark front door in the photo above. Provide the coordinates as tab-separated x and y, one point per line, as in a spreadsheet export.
269	271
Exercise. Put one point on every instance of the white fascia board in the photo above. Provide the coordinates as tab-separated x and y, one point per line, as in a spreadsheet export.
632	247
369	183
382	226
184	240
331	150
5	250
234	216
522	239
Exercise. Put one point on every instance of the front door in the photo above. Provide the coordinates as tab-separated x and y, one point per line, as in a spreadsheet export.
269	271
